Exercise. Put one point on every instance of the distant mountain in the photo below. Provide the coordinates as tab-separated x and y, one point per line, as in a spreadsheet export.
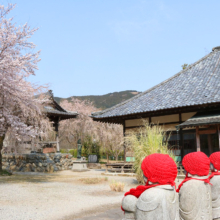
104	101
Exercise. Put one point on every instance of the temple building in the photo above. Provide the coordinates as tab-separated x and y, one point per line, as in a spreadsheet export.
187	105
55	113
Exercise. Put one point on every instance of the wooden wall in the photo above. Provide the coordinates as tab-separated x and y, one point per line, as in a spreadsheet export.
167	121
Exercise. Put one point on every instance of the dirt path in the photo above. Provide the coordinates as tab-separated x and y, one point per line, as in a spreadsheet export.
38	196
110	214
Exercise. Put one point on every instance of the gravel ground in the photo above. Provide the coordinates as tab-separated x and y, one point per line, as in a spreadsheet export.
39	196
111	214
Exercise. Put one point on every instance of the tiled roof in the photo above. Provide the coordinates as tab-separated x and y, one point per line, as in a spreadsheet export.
201	119
51	110
198	84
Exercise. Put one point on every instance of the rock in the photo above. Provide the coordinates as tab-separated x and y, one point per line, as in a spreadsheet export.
13	167
12	163
47	169
40	169
21	169
28	167
30	162
160	202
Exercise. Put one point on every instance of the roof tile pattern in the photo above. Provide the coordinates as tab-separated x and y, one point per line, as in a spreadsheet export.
51	110
198	84
199	119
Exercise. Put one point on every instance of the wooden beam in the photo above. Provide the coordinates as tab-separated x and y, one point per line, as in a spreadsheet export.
150	122
160	124
213	131
124	142
180	118
197	139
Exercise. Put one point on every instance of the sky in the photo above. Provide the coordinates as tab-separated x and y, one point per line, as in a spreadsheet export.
95	47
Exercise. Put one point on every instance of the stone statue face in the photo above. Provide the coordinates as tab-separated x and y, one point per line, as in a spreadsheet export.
145	179
212	167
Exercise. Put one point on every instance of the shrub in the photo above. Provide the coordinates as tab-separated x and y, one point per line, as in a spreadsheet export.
148	140
63	151
73	152
5	173
117	186
93	180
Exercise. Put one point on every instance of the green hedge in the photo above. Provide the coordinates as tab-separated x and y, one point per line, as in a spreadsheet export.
73	152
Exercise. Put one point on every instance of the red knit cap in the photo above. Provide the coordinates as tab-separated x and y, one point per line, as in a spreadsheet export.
159	168
215	160
196	163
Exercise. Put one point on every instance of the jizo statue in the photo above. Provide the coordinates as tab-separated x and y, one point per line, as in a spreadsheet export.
215	181
157	200
79	149
195	190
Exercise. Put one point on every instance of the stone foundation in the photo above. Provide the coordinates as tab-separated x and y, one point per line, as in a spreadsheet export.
37	162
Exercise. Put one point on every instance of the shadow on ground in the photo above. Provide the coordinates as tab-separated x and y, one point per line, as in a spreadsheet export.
35	178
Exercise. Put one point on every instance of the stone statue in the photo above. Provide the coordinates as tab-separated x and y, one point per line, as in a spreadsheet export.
129	206
215	181
160	202
158	199
79	149
195	190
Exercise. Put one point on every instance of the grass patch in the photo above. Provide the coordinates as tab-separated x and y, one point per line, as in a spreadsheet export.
148	140
93	180
117	186
5	173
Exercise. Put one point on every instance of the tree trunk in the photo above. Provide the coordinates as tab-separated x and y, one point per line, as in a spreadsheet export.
107	158
1	146
116	157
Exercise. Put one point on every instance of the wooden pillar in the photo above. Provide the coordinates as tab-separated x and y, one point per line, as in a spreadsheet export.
210	144
56	125
58	143
181	143
197	139
124	142
218	136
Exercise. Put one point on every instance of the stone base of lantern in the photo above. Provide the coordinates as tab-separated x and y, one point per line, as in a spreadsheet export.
79	166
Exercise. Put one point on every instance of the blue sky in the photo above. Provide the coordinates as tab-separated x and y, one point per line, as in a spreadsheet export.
94	47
